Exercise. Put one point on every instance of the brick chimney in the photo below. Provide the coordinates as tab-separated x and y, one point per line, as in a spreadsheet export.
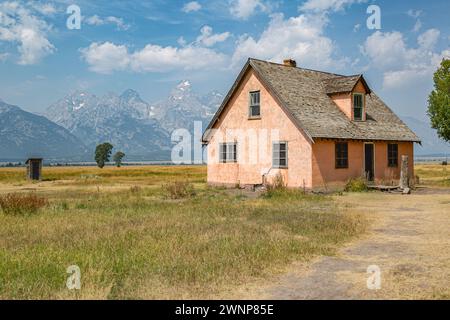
290	63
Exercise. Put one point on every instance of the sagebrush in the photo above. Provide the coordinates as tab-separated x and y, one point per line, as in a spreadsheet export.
15	203
356	185
178	190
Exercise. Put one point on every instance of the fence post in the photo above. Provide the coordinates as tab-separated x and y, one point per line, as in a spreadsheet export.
404	173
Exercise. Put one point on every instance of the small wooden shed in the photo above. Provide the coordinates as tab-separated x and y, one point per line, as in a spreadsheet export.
34	168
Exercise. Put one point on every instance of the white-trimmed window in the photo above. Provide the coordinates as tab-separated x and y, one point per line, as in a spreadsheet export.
280	154
358	106
227	152
254	110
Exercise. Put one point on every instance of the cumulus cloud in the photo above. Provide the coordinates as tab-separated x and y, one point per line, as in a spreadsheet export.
400	64
154	58
192	6
47	9
106	57
327	5
243	9
23	26
301	38
95	20
209	39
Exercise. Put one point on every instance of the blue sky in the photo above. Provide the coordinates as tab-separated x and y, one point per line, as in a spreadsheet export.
150	46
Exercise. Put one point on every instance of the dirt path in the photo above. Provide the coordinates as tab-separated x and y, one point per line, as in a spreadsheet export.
409	241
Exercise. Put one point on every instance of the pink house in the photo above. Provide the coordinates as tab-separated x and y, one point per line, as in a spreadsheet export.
316	129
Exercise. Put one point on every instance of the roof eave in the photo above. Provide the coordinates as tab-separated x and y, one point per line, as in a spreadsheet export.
224	102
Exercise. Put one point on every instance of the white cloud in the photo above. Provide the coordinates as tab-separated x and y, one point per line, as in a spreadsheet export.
208	38
414	13
400	64
417	25
44	8
22	25
95	20
154	58
299	37
192	6
108	57
243	9
327	5
428	39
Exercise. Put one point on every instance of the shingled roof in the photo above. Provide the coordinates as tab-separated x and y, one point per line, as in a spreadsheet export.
304	96
344	84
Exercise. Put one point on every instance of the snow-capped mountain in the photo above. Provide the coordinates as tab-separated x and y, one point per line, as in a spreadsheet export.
23	134
123	120
183	107
131	124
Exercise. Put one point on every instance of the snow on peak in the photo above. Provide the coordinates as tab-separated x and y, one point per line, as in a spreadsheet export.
184	85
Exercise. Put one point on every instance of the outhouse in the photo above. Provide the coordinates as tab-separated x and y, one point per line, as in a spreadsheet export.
34	168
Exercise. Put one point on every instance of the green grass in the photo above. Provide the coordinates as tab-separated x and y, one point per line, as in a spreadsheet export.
138	243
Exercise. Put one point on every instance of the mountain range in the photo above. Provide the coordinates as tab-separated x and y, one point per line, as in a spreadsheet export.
23	134
140	129
72	126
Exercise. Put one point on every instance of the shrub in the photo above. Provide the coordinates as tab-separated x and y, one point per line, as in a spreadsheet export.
276	187
277	183
15	204
178	190
356	185
135	189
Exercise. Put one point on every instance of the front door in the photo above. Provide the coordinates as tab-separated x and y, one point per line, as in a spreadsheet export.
369	161
35	170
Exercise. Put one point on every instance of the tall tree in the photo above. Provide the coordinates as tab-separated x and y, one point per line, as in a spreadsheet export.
439	101
102	153
117	158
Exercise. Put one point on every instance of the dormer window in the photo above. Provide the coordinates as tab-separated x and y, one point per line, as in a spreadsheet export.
254	105
358	106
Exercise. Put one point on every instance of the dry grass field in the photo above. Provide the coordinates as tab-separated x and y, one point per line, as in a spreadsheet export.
161	233
155	232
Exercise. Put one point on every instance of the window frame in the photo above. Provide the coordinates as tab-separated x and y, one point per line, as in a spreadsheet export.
341	156
228	152
252	105
276	158
390	157
362	106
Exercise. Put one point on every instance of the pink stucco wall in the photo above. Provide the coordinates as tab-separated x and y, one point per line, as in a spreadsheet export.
323	163
310	164
345	100
255	155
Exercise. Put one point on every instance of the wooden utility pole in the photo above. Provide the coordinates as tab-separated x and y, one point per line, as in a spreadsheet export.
404	175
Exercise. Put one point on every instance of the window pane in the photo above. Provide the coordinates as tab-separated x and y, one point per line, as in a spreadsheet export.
254	111
254	108
357	106
393	155
279	154
341	155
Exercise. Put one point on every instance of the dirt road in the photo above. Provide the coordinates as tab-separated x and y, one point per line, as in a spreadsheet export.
409	241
